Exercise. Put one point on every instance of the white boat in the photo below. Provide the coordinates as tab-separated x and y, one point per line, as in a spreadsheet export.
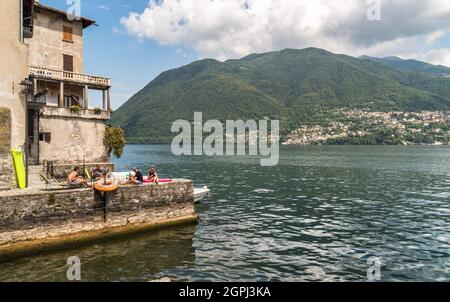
201	193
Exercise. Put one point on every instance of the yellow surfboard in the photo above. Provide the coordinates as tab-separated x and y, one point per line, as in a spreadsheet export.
19	166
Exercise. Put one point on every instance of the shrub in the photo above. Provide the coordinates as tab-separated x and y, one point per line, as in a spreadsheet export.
115	141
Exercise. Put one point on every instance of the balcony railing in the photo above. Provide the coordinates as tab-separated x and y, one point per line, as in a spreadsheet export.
96	114
62	75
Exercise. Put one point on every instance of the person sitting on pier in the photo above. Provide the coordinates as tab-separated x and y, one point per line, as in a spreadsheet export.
97	172
75	180
153	175
136	177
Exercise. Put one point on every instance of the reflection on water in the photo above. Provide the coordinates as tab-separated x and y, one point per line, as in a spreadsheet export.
136	258
318	216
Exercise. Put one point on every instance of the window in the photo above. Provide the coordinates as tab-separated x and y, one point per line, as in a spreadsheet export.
45	137
27	19
68	63
67	101
67	34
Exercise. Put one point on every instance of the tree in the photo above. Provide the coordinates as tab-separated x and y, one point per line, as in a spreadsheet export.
115	141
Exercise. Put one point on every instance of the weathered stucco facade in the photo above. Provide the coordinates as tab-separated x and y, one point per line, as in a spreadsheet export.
13	70
76	137
47	46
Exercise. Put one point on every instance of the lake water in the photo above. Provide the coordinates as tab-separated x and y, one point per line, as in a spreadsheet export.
318	216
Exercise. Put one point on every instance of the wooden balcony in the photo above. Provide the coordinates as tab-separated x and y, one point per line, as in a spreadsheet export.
66	76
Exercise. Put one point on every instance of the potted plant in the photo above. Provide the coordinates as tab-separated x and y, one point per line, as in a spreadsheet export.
74	109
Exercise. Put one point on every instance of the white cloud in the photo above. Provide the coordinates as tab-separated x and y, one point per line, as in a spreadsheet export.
181	53
434	36
103	7
436	56
234	28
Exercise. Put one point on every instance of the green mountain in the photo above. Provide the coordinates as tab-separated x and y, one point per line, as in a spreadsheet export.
412	65
294	86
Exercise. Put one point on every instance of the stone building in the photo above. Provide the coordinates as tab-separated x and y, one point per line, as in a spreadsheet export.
13	70
44	88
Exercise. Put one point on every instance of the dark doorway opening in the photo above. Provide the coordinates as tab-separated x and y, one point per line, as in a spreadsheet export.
33	137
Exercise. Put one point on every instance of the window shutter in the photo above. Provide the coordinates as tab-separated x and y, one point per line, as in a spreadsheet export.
67	34
68	63
48	137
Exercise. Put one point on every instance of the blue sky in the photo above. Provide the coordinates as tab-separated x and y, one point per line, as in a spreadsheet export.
137	40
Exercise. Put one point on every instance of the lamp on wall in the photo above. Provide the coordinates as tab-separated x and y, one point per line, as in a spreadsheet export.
26	82
27	88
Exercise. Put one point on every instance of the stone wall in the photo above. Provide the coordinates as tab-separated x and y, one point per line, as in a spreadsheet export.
39	217
75	137
24	210
156	201
61	171
6	172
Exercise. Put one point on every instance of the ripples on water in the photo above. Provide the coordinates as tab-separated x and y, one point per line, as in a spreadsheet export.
318	216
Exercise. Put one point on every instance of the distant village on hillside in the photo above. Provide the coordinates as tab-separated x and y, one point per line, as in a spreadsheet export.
359	127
